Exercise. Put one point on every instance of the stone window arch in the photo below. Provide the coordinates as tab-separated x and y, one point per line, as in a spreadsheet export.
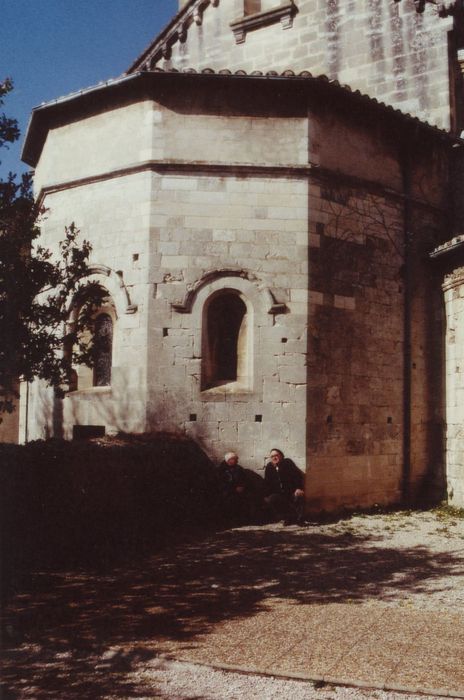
226	340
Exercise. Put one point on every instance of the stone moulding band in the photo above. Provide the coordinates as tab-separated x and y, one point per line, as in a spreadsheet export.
185	306
291	172
183	168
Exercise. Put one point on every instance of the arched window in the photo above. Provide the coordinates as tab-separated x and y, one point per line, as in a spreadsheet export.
103	350
100	351
225	340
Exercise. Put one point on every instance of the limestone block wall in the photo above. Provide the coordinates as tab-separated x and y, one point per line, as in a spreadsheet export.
427	361
257	227
297	212
95	144
383	48
454	344
212	230
355	387
374	394
161	234
113	214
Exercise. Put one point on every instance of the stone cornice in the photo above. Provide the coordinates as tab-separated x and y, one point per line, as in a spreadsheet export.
452	246
191	167
177	30
195	168
453	279
283	13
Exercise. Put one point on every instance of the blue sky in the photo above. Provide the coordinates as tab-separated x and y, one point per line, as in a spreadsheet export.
53	47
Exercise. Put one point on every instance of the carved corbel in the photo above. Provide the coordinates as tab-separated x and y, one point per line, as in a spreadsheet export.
286	21
182	33
239	35
166	51
446	9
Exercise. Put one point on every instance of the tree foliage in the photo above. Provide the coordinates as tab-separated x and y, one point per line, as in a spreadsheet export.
39	289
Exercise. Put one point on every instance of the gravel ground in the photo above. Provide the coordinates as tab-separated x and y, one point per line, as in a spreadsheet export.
441	534
88	635
173	680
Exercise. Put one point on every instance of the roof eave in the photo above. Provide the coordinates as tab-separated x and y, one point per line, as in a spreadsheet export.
41	116
30	153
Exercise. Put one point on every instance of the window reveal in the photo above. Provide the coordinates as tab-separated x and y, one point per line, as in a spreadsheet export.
103	347
225	348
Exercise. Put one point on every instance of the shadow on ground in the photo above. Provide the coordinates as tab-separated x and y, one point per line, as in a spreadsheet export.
77	633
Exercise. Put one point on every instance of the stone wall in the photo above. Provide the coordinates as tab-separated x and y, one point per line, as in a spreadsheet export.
114	214
180	227
454	296
252	224
297	208
383	48
375	388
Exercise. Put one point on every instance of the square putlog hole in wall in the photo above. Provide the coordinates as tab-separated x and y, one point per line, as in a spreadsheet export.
87	432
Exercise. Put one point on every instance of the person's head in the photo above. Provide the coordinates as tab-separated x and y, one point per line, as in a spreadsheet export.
276	455
231	458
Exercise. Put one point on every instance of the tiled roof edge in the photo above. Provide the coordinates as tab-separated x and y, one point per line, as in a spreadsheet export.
210	74
307	75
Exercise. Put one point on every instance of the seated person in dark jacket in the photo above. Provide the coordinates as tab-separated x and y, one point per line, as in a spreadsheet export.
283	485
234	488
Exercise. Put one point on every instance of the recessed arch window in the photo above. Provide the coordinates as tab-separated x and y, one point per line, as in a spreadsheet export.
103	350
226	340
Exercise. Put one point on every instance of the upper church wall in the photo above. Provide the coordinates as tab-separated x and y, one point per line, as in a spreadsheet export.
172	132
231	121
383	48
95	144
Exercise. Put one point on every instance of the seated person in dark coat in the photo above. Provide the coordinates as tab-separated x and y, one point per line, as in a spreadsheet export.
283	485
234	488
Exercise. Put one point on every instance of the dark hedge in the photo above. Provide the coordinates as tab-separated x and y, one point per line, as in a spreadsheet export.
80	502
